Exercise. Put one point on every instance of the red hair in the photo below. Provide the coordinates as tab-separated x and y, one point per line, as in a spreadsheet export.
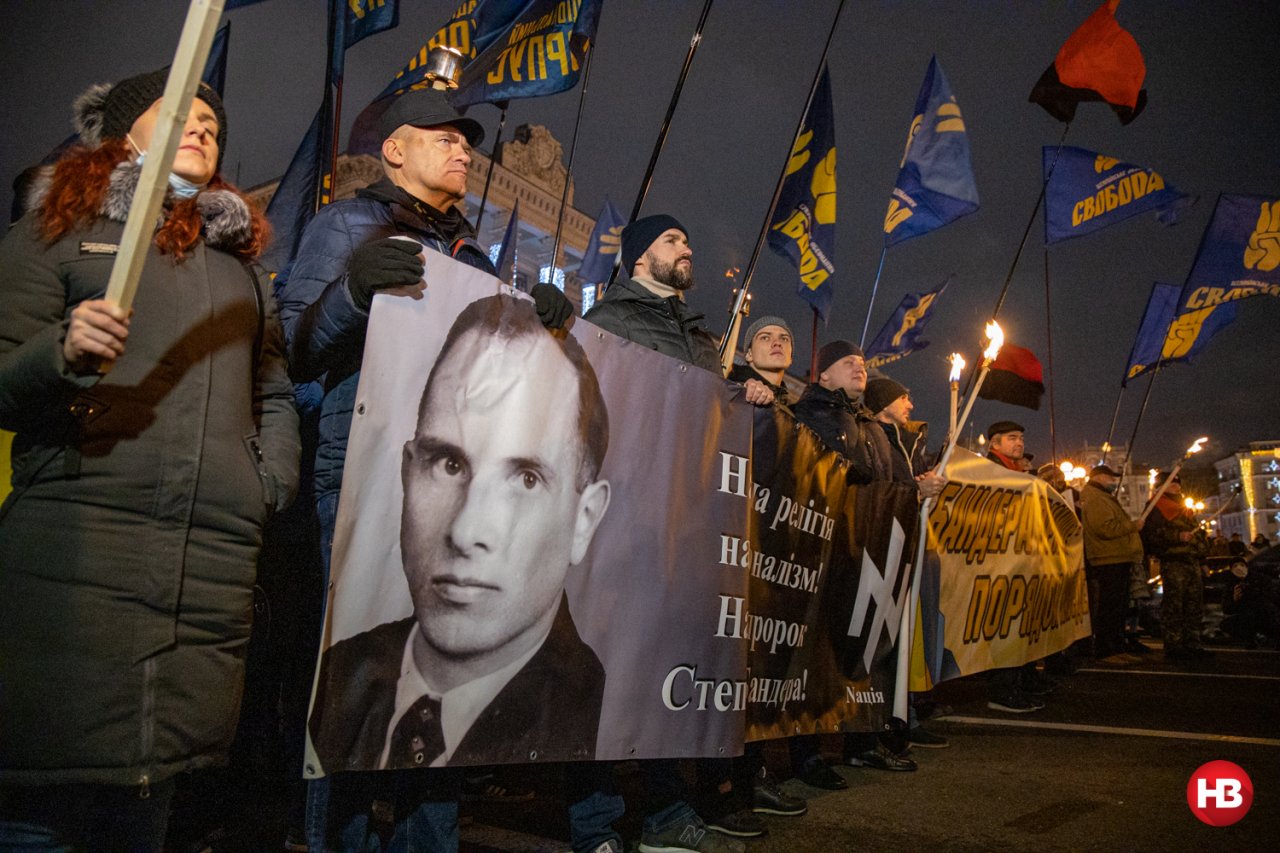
79	186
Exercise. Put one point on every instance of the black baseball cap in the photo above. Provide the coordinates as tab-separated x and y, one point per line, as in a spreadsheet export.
428	108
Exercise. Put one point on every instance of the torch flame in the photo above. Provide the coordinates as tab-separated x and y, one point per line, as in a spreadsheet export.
1151	477
996	335
957	365
1198	445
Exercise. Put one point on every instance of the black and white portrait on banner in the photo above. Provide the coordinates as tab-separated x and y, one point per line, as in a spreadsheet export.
526	546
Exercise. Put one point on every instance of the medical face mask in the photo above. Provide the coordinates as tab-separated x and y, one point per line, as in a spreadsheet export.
181	187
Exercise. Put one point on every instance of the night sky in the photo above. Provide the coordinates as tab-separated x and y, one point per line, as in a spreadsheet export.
1212	125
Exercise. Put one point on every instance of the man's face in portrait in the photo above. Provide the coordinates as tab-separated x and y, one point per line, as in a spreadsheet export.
494	513
1009	444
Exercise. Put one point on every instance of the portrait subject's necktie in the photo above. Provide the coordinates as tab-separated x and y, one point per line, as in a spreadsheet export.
418	738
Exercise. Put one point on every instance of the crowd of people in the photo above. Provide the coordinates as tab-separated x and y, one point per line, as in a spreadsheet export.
153	447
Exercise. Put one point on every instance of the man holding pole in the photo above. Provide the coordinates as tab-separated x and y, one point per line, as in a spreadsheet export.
353	250
769	351
1170	533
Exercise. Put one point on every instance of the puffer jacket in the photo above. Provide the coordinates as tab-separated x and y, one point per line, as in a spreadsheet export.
323	326
847	428
128	546
1110	536
667	325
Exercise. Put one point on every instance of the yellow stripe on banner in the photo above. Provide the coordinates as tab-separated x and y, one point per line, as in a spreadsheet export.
6	471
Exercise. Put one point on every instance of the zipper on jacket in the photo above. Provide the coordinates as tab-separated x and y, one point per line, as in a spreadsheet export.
148	732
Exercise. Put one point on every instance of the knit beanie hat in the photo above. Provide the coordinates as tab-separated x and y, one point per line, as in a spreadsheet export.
834	351
639	236
761	323
106	112
880	392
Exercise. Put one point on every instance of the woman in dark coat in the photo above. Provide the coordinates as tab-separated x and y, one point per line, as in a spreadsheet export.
128	545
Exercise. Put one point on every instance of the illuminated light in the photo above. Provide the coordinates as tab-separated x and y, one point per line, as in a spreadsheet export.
1078	473
982	439
957	365
1106	447
1066	468
1197	445
1151	477
996	336
545	276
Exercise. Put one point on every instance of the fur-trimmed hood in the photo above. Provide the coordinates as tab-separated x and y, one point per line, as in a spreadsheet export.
228	225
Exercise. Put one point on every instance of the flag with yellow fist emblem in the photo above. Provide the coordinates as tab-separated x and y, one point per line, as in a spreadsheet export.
804	229
1239	258
935	184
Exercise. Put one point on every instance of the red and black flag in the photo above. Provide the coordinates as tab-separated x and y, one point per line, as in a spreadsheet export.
1100	61
1016	378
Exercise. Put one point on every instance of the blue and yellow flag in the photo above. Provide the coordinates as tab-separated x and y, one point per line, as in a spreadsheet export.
804	229
1239	257
901	335
540	51
308	182
602	249
935	184
1088	191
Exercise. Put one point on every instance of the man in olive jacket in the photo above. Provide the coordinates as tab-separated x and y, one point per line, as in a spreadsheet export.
1112	546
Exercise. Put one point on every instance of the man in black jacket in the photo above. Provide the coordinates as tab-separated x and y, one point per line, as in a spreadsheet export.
769	351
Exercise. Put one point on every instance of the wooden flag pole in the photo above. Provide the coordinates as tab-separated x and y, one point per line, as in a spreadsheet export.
179	91
782	174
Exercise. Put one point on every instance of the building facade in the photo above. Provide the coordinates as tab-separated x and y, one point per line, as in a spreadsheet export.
1249	491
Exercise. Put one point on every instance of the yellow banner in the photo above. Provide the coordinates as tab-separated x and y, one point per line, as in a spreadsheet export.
1004	578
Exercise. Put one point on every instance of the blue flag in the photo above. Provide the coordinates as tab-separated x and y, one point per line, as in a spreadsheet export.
901	335
506	263
308	182
804	229
540	51
1089	191
1165	337
605	243
215	67
935	184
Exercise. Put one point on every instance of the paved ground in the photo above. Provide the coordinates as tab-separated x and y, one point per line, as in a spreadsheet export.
1104	767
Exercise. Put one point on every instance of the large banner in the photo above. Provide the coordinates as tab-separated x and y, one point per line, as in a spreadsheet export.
829	564
527	562
1003	581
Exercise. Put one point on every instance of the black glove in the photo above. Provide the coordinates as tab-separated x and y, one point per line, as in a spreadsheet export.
389	262
554	308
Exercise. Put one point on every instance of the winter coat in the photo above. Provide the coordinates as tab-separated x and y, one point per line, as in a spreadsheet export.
1110	536
907	448
667	325
847	428
1161	533
323	326
128	547
742	372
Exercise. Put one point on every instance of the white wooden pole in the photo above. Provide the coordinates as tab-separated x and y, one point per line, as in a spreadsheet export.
184	76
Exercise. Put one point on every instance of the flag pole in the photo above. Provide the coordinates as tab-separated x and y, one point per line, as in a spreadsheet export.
573	147
661	141
493	158
813	359
1106	446
1048	336
1044	187
179	91
862	341
1128	454
782	174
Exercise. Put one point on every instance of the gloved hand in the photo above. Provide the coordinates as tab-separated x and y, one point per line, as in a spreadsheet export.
384	263
554	308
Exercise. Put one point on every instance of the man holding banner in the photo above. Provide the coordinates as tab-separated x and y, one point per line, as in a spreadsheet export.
351	251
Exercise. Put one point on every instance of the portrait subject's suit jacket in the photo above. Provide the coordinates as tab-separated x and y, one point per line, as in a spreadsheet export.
549	711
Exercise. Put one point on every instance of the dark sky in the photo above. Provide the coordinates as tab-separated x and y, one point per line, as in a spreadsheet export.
1212	125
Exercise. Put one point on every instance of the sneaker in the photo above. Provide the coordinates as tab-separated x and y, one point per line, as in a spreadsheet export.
610	846
1014	703
690	835
740	824
1038	685
768	798
1136	646
489	789
818	775
926	739
881	759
